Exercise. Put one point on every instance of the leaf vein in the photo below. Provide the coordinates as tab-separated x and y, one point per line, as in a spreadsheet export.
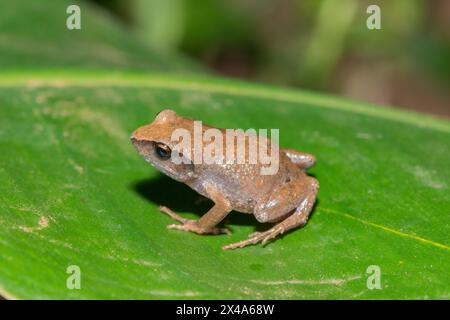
388	229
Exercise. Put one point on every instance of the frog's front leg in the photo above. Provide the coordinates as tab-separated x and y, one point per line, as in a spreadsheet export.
297	196
207	224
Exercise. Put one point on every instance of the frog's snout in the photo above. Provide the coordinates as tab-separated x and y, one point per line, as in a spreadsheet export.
135	136
143	147
140	134
138	140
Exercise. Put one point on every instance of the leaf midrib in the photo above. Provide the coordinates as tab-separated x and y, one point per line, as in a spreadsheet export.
63	78
419	239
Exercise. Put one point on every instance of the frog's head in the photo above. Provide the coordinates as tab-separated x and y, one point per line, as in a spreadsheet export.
154	143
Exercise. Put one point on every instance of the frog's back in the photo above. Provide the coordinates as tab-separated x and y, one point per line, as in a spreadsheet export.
241	184
243	180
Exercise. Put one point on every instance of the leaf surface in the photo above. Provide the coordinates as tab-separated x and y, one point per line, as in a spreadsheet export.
75	192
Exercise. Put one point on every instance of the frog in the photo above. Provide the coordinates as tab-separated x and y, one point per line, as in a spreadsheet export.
284	199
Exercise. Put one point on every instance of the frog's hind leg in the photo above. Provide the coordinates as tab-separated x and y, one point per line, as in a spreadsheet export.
299	217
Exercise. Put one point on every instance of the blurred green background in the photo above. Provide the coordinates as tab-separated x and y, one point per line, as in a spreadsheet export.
320	45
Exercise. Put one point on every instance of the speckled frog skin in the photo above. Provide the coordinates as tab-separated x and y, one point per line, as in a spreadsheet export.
285	198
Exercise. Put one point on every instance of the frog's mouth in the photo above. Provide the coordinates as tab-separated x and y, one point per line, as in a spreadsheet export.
142	146
147	150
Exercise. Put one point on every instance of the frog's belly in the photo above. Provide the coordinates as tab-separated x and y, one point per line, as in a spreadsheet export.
242	195
242	201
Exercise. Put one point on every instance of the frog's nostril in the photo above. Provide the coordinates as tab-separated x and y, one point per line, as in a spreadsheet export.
135	141
135	135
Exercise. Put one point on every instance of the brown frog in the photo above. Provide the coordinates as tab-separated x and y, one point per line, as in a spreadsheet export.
285	198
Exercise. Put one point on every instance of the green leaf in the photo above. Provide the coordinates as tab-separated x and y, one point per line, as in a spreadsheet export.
75	192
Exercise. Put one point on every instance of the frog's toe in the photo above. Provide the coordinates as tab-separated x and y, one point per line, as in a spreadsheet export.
239	244
181	227
192	226
254	234
188	226
244	243
255	238
172	214
223	231
268	238
215	230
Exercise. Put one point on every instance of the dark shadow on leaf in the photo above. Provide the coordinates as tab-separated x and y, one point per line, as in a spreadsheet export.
164	191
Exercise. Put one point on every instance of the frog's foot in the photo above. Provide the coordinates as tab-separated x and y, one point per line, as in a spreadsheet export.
191	225
253	234
256	237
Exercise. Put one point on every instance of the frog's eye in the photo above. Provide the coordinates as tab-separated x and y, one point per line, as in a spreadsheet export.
162	151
